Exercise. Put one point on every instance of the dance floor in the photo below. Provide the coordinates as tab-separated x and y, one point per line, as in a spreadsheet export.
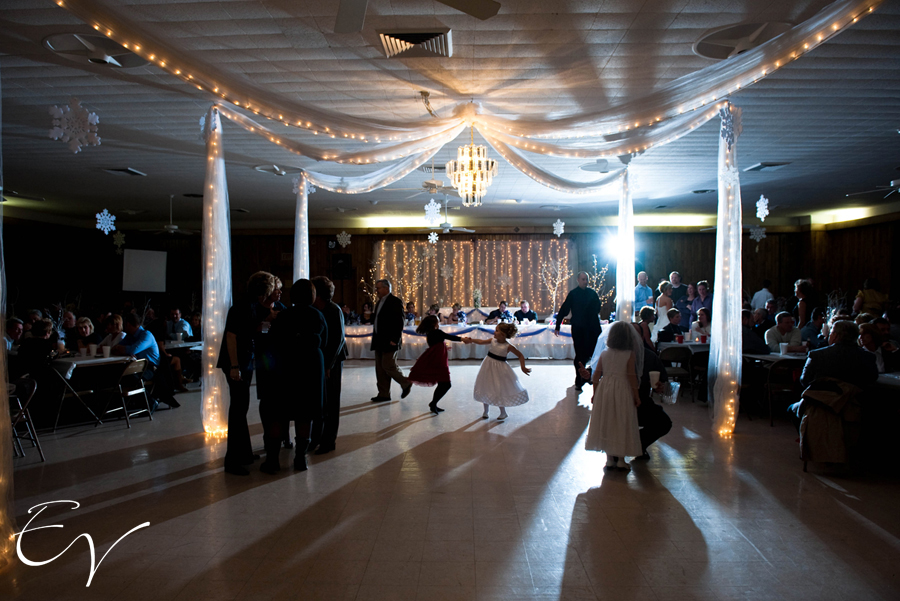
415	506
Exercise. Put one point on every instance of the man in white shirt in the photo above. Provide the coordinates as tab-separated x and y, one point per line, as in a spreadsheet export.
784	331
176	325
760	298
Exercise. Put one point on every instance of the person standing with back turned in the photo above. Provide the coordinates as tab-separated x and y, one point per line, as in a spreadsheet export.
584	304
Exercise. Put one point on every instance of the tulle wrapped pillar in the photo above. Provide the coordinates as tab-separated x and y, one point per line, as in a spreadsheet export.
7	512
301	228
725	348
216	278
625	254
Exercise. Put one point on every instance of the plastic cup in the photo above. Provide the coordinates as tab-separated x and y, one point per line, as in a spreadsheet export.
783	346
83	351
654	379
92	350
179	336
703	339
106	351
679	339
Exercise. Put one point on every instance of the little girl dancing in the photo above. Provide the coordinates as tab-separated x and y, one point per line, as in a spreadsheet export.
432	367
496	383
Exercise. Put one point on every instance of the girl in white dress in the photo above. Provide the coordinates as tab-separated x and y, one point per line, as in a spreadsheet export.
496	383
614	422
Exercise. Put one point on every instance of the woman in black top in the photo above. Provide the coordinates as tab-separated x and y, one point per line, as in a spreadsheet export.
432	368
367	315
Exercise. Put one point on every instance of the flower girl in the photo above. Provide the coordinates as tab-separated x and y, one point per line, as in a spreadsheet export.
496	383
432	367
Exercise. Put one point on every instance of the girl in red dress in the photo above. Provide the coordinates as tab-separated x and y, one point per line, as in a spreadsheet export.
432	368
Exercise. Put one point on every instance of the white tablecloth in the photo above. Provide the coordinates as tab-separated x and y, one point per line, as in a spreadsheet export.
694	347
66	365
535	341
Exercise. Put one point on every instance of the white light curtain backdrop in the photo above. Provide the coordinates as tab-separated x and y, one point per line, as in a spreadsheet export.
725	334
301	228
625	254
501	269
216	278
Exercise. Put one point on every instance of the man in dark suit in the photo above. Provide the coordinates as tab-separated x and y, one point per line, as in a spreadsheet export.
326	428
841	359
386	341
584	304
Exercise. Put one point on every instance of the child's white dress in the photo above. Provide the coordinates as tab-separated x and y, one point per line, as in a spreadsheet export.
614	422
496	383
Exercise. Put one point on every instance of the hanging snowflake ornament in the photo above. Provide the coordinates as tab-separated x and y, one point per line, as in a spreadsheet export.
73	123
762	208
559	228
504	281
447	272
731	124
119	242
309	187
482	268
430	252
433	238
757	233
730	176
432	212
106	222
343	239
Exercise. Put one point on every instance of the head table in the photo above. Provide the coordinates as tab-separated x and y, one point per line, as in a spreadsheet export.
535	341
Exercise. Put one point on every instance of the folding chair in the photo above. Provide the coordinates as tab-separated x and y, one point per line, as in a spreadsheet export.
677	360
69	392
24	392
126	388
698	368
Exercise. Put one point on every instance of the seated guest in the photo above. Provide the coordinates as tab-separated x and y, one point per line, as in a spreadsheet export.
525	312
645	326
500	314
884	328
457	315
435	310
85	334
140	344
886	354
673	328
762	323
350	317
196	322
811	333
772	308
14	329
842	359
31	318
176	325
112	325
864	318
35	351
751	344
68	330
367	314
701	327
784	331
870	299
411	312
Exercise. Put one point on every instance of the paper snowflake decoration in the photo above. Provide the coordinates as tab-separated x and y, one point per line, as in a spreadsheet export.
309	187
430	252
731	124
343	239
757	233
730	176
433	238
447	272
432	212
119	242
558	228
762	208
106	222
75	125
482	268
504	281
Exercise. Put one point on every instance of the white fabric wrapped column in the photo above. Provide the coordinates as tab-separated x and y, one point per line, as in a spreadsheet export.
301	228
725	335
625	255
216	278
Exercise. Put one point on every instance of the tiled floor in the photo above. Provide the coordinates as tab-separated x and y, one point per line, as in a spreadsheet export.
413	506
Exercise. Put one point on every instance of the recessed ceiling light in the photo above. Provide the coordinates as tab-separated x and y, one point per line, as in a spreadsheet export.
702	191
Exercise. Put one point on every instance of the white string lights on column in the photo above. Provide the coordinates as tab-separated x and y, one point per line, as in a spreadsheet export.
302	188
625	254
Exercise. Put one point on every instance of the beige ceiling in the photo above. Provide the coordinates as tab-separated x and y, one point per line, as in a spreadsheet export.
834	114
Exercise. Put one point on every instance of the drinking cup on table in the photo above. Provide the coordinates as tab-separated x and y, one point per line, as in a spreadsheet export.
703	339
654	379
783	347
106	351
83	351
178	336
92	350
679	339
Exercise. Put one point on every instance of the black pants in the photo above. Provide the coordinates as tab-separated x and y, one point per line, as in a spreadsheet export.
439	392
238	450
325	429
654	422
585	341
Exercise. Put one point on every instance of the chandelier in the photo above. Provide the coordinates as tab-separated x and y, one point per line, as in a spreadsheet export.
472	172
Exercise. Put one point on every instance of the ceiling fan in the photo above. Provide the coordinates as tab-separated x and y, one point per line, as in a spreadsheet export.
447	227
352	13
431	187
170	228
894	187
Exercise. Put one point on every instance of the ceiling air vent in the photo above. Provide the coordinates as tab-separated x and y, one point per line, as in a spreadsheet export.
94	49
415	43
126	171
767	166
732	40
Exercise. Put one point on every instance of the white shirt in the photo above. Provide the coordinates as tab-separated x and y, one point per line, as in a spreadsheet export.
760	299
774	338
377	309
697	330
